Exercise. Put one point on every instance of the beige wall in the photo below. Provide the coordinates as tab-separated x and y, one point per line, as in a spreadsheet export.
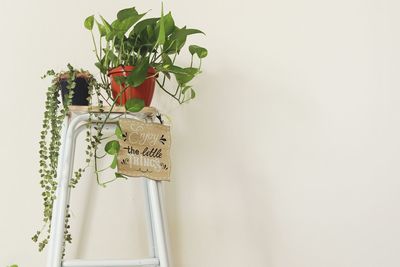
289	157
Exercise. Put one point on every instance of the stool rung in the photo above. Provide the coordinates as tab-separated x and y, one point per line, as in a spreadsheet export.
111	263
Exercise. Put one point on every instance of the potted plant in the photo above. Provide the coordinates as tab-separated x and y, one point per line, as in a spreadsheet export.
67	87
81	82
71	87
133	54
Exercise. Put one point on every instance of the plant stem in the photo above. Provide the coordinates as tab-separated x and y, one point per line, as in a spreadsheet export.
165	90
100	130
95	46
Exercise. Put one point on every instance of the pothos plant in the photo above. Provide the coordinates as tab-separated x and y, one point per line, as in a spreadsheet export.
155	42
133	40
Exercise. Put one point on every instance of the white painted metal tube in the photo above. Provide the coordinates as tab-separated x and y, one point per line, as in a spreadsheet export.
111	263
63	193
158	223
59	171
164	219
149	220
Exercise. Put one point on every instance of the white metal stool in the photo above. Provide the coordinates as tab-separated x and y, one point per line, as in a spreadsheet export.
155	218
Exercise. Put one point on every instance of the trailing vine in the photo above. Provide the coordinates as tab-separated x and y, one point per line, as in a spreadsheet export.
49	146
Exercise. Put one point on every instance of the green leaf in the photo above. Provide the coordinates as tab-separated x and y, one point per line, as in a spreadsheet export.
167	74
178	39
126	13
185	75
108	28
192	71
89	22
183	78
192	93
201	52
187	32
109	54
166	61
134	105
118	132
175	69
122	26
169	24
120	79
185	88
114	162
112	147
161	33
141	25
139	74
100	67
102	29
118	175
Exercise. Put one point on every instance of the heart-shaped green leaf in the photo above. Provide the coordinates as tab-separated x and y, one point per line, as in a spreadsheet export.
185	75
108	28
192	93
118	175
183	78
201	52
169	24
192	71
185	88
122	26
141	25
134	105
127	13
89	22
166	61
112	147
139	74
178	38
102	29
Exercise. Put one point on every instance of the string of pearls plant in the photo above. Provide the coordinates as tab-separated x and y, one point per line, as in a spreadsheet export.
49	144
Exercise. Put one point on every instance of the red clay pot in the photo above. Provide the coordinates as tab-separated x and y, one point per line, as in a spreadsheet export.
144	91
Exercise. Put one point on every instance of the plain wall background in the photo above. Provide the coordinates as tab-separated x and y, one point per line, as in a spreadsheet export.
289	156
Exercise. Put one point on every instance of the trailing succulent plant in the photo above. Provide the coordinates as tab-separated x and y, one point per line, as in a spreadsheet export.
56	109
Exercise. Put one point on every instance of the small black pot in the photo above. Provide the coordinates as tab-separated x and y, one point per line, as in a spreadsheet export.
81	92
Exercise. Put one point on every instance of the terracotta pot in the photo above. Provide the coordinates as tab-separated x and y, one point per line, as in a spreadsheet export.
144	91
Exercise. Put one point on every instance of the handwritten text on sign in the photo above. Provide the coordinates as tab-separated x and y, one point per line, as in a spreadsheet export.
144	150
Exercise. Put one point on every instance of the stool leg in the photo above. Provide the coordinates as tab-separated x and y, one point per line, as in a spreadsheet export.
149	221
165	222
55	203
61	202
156	215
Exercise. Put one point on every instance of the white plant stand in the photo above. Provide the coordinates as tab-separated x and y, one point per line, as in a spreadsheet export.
156	222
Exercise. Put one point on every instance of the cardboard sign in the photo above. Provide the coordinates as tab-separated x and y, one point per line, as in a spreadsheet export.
144	150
